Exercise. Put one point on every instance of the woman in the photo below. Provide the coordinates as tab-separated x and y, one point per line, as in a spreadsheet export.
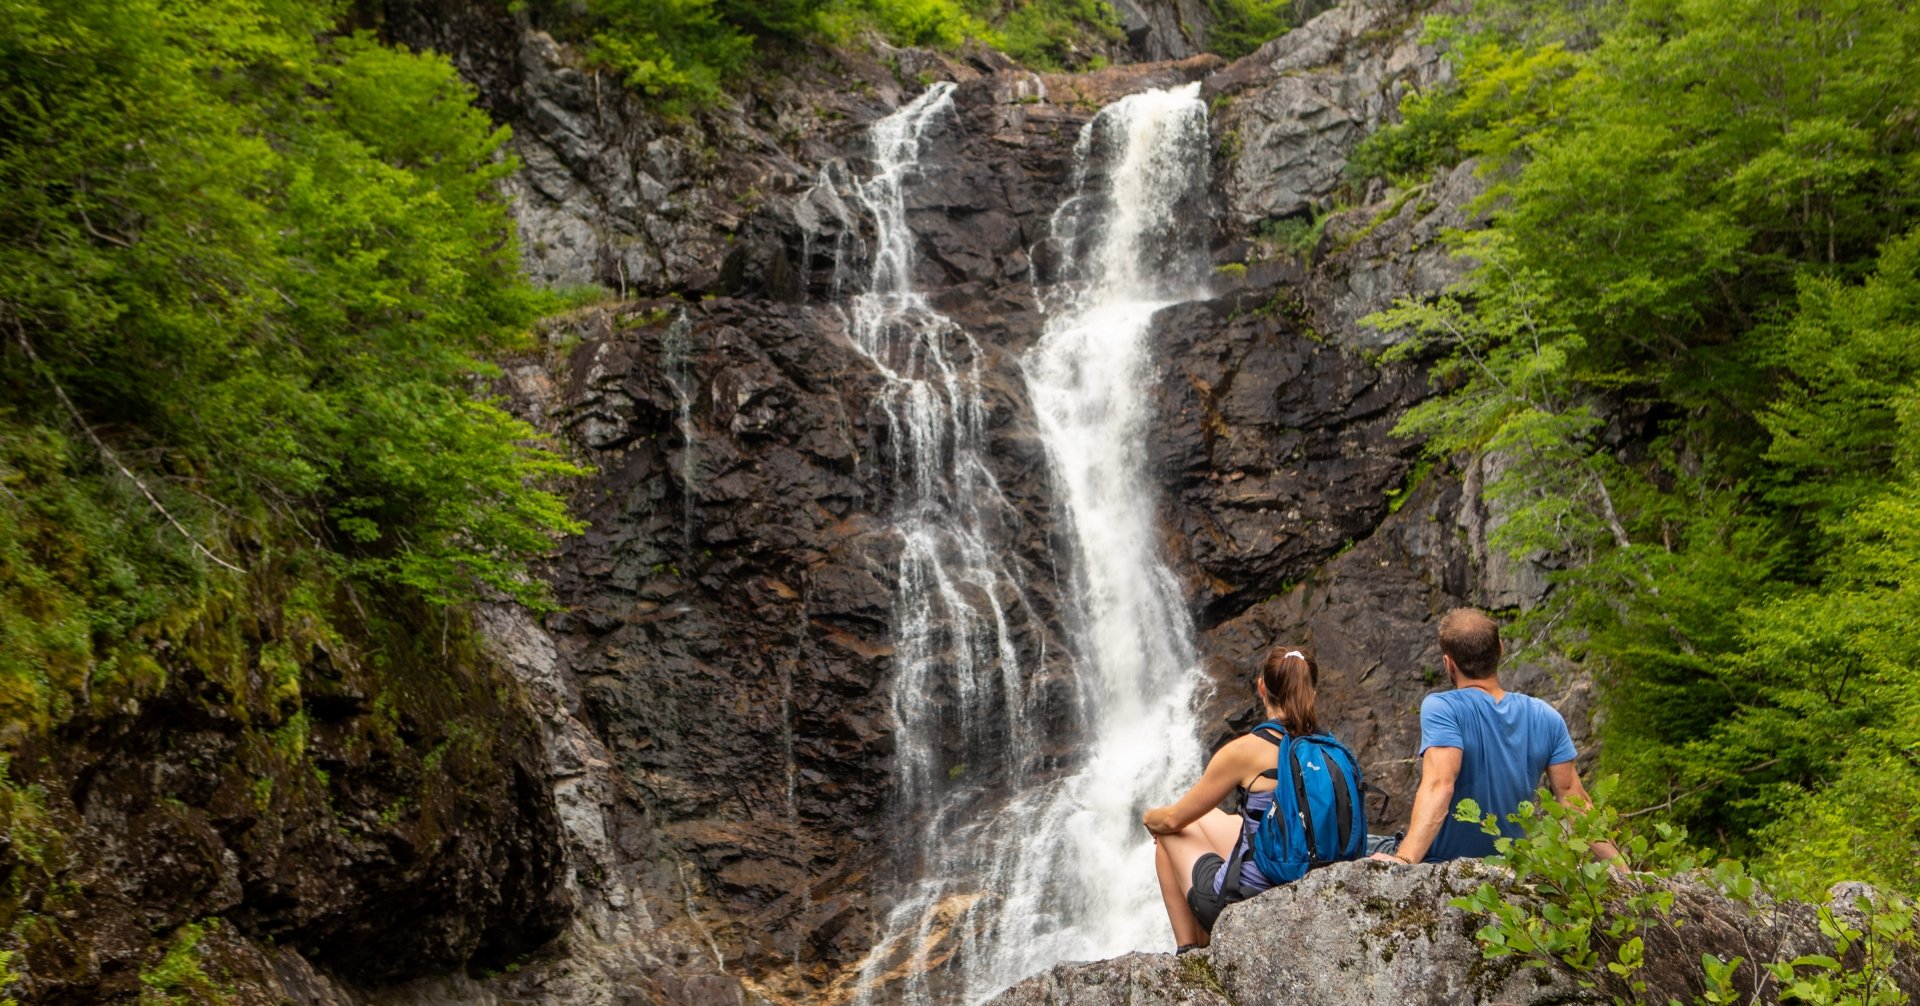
1195	841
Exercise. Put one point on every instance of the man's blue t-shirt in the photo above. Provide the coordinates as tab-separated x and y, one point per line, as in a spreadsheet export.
1504	748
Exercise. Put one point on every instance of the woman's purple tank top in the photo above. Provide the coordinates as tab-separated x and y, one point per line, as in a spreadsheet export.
1251	879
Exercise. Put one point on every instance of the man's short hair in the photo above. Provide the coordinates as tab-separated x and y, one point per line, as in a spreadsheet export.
1472	640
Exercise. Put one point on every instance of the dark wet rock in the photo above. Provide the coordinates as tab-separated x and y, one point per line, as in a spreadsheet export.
1166	29
1393	248
615	194
1368	933
392	821
1297	106
718	689
1277	446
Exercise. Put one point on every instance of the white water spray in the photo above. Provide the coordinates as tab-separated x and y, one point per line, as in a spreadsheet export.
1063	869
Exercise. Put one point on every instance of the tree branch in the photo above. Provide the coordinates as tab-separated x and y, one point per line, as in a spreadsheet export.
20	335
1677	797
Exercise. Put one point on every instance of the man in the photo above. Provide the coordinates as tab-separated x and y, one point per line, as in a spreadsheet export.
1482	742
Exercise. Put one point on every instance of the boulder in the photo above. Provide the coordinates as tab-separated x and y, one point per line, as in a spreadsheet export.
1165	29
1375	934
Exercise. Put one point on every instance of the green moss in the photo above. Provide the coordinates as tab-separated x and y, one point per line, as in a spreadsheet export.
1397	497
180	975
8	976
1230	146
1198	971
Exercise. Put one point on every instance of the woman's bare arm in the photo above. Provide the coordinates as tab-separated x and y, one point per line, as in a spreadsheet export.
1232	764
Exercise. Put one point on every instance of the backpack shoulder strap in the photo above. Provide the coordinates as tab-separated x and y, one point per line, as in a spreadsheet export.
1272	731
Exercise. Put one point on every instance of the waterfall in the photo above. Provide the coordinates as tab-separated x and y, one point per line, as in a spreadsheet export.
956	600
675	360
1061	869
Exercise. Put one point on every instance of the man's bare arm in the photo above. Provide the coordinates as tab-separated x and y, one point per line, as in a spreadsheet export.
1439	770
1565	780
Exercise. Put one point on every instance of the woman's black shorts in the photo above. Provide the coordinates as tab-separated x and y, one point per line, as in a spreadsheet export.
1201	898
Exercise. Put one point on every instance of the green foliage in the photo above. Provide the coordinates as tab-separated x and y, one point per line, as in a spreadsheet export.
679	51
1499	99
1398	496
180	975
939	24
1591	922
242	319
1241	26
1882	935
1050	34
1295	237
1581	921
1704	226
30	836
685	53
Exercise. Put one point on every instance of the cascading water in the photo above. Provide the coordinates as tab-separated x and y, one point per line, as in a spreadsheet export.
1062	869
958	671
956	598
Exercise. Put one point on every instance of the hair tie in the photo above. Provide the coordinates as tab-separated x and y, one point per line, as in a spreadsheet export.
1293	653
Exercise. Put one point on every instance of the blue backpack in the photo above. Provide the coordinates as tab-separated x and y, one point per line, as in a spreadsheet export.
1317	816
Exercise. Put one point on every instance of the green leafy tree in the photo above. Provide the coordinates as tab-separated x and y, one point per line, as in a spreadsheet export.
249	274
1690	330
1241	26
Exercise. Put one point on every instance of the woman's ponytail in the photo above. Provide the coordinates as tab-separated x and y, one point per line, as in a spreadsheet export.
1291	677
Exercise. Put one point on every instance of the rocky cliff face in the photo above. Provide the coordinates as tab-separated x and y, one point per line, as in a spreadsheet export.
718	720
720	682
273	809
1361	934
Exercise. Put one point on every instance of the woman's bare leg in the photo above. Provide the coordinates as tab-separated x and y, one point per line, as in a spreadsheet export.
1223	831
1173	893
1174	856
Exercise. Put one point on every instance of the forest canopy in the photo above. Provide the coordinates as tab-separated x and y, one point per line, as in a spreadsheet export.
244	314
1693	324
683	52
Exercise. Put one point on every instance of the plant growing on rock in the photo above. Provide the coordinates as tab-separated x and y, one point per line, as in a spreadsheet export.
1594	923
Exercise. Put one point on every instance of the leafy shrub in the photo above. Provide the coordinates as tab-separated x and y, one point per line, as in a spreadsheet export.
1241	26
1741	573
1049	34
1295	237
683	53
1499	98
243	320
179	976
679	51
1583	919
939	24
